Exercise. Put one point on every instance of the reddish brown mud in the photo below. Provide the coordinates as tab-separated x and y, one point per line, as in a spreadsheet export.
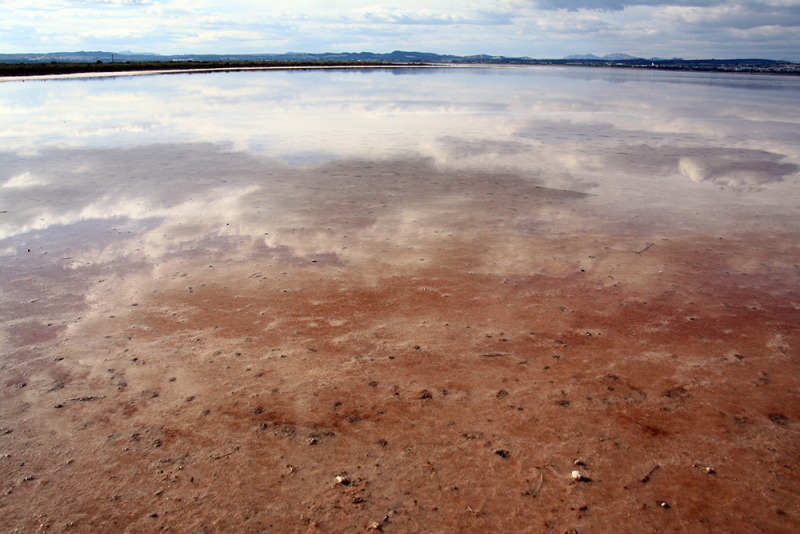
451	346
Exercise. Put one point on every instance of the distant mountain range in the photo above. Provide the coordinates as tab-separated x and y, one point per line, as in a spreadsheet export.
607	57
407	57
617	57
393	57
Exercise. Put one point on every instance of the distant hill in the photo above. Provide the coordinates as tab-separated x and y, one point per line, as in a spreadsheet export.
583	56
129	53
618	56
396	57
607	57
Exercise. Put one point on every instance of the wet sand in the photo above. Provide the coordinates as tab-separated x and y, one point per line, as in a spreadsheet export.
389	345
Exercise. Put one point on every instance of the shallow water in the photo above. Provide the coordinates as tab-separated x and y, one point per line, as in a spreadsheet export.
393	275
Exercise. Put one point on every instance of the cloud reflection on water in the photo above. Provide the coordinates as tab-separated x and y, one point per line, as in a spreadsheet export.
230	154
358	114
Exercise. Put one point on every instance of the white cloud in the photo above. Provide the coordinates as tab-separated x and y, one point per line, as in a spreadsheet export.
615	5
223	35
110	2
390	15
538	28
112	33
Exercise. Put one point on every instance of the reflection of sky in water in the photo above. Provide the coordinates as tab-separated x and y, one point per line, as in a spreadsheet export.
103	149
283	239
375	113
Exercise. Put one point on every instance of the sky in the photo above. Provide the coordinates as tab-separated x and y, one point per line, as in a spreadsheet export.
768	29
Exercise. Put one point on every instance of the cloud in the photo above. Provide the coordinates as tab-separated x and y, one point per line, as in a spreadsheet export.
113	33
536	28
729	16
617	5
111	2
224	35
384	15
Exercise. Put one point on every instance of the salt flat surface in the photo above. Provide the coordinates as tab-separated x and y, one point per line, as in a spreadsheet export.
450	288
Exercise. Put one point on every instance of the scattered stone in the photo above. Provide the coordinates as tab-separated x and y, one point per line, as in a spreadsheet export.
779	419
342	480
223	455
645	479
704	468
86	398
675	393
502	453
